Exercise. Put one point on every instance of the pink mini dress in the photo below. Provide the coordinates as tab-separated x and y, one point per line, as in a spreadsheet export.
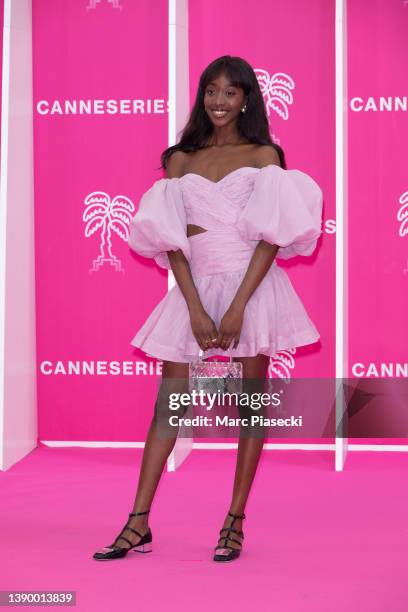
282	207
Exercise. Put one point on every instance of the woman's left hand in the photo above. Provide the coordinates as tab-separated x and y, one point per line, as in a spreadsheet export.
230	328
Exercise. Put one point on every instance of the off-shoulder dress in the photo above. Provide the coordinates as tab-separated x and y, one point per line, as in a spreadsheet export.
282	207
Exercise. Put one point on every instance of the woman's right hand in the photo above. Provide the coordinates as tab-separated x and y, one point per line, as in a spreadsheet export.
204	329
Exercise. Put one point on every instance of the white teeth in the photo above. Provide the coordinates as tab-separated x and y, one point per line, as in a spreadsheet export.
220	113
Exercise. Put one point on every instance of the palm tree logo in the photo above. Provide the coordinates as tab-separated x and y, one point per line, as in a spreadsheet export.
281	364
277	91
402	217
107	215
402	214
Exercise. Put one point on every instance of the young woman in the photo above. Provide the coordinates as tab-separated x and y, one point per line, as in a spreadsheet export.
225	210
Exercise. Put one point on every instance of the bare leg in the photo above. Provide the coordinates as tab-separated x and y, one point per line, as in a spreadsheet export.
155	454
249	451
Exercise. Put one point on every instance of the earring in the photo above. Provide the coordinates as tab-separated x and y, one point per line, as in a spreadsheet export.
243	109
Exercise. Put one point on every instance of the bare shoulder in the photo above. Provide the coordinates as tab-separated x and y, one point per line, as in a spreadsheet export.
266	155
176	164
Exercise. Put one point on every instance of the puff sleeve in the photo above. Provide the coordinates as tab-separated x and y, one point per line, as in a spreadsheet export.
160	223
285	208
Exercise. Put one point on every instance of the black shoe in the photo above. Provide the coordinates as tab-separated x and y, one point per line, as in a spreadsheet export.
144	545
226	552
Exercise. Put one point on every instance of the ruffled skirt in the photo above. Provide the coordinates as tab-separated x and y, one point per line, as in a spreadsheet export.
274	317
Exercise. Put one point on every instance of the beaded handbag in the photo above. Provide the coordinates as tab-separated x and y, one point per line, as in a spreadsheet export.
215	376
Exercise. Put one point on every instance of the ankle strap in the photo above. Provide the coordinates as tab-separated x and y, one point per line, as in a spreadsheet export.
237	516
139	513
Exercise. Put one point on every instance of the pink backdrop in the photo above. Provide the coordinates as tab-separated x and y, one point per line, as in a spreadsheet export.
269	38
378	210
89	316
89	309
95	52
378	180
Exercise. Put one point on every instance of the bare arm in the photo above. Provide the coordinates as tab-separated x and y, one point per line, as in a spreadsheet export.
231	323
202	325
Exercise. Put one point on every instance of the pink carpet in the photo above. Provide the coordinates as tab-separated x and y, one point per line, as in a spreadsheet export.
315	540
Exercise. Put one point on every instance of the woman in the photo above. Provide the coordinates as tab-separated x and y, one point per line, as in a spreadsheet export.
225	210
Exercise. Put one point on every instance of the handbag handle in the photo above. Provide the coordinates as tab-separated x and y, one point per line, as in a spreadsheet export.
201	353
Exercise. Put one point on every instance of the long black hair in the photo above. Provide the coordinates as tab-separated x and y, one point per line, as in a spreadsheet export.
252	125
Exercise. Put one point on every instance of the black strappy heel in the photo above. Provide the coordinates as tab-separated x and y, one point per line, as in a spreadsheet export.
233	553
117	552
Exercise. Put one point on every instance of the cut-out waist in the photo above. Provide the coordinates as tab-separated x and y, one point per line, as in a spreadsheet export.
193	230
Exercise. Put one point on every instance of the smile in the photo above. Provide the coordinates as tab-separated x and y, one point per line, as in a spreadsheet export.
219	113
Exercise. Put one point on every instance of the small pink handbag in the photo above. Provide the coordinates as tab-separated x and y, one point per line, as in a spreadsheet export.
215	376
